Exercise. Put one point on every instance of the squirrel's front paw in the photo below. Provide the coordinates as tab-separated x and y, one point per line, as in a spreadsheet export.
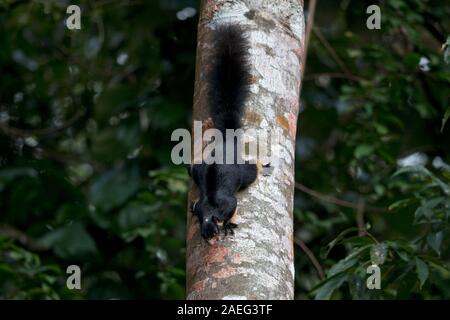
228	228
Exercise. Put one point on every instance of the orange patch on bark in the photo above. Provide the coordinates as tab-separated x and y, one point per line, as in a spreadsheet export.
291	250
199	285
225	273
288	123
253	118
217	255
295	103
236	259
292	119
283	122
214	285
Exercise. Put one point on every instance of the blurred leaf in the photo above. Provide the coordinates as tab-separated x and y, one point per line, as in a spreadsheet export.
71	241
363	150
135	215
6	176
446	49
347	262
434	240
328	286
446	116
114	187
378	253
420	170
400	204
326	251
422	271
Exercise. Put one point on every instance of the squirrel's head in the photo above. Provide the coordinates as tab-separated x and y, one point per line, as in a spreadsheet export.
209	227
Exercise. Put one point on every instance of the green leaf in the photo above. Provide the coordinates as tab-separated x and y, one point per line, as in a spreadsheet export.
403	250
445	118
422	271
402	254
71	241
8	175
358	241
421	170
363	150
434	240
446	49
400	204
136	214
378	253
428	209
347	262
114	187
328	286
339	238
342	265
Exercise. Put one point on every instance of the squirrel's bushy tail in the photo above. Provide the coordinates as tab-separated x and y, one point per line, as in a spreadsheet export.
229	77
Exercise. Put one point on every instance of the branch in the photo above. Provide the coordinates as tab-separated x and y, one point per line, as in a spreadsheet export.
360	217
309	26
331	199
335	56
18	132
311	257
21	237
350	77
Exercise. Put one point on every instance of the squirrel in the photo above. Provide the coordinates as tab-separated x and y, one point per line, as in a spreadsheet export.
228	83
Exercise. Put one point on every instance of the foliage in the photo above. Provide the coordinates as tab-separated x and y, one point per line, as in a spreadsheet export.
85	171
24	277
383	143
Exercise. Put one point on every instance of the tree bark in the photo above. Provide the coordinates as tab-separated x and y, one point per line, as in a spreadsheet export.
257	262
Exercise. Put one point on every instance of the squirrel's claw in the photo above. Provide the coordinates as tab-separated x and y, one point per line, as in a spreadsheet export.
266	169
228	227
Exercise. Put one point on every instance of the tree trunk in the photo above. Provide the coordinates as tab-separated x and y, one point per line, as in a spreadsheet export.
257	262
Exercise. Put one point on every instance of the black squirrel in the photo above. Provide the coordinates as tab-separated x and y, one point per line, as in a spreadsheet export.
228	89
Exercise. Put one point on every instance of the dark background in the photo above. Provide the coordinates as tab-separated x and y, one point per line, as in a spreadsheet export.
85	170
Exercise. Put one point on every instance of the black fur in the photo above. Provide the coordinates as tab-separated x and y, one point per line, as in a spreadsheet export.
228	89
218	185
228	82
